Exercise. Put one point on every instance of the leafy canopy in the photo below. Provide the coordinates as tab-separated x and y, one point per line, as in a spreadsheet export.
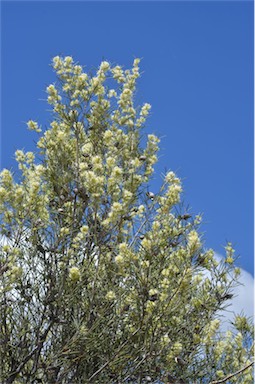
102	280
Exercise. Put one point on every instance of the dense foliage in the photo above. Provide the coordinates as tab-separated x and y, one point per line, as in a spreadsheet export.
102	280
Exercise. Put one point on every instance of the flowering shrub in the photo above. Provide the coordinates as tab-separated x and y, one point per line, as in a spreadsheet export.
102	280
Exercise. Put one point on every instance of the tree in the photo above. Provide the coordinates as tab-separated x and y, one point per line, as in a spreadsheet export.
102	280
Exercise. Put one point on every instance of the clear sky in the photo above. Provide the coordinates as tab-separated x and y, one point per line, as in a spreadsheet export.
197	59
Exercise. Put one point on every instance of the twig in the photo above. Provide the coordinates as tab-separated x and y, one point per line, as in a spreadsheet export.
232	374
137	233
115	355
14	374
137	365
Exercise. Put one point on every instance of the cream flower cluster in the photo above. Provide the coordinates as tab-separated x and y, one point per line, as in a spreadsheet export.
194	242
33	126
74	274
79	86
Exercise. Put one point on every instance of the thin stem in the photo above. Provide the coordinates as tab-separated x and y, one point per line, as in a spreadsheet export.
115	355
232	374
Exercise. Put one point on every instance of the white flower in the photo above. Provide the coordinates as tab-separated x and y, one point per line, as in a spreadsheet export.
193	240
123	247
74	274
112	93
170	177
145	109
104	66
57	62
84	229
153	138
119	259
165	339
110	296
136	61
33	126
68	60
153	292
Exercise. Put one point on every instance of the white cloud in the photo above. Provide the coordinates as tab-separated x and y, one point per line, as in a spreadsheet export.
243	300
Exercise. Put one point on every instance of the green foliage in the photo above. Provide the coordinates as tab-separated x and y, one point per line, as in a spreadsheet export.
101	280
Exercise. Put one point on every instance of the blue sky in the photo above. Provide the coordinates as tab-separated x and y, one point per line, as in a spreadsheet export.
197	59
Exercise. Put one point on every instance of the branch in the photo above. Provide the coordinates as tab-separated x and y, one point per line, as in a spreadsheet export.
232	374
14	374
115	355
137	365
141	226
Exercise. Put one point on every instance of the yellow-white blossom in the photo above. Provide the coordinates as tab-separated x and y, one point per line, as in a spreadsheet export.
146	243
74	274
33	126
165	339
177	348
153	291
104	66
193	240
145	110
110	296
119	259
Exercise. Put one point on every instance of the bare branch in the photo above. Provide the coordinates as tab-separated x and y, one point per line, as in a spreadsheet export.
232	374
